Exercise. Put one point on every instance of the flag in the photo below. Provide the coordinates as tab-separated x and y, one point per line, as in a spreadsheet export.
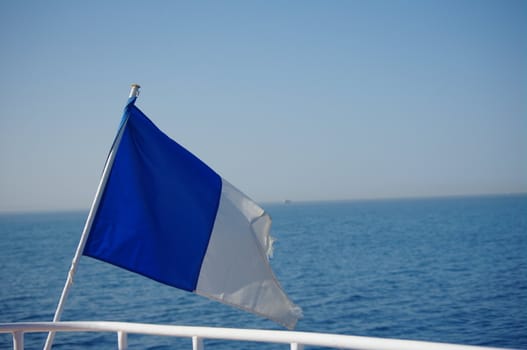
168	216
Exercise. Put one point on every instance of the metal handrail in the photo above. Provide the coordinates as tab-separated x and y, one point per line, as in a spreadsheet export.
296	340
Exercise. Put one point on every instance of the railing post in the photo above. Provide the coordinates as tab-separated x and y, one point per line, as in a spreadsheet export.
197	343
296	346
122	340
18	340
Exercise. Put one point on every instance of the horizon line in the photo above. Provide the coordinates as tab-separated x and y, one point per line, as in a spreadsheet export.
293	201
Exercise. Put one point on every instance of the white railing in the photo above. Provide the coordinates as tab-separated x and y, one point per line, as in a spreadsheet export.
296	340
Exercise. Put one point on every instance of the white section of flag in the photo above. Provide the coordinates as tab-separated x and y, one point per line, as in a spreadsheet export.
235	269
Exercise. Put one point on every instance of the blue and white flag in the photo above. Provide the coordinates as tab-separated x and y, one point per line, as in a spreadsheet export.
166	215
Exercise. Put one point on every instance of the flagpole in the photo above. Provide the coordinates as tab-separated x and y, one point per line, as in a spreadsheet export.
134	92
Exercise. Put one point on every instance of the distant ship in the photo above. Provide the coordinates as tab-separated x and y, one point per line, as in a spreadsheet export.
287	201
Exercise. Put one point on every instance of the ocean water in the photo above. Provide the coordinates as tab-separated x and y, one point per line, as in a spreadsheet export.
444	269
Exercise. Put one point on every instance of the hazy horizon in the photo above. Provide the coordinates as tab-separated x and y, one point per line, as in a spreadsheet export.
264	204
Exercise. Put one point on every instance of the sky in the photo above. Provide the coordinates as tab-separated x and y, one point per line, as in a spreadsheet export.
300	100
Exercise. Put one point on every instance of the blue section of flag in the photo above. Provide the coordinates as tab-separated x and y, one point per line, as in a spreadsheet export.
158	207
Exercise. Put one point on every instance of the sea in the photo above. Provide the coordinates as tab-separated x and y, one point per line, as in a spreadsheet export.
450	269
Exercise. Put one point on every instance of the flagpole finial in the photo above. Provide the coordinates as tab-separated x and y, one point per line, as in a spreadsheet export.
134	92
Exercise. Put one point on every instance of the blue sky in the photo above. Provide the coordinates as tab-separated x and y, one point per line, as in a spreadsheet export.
306	100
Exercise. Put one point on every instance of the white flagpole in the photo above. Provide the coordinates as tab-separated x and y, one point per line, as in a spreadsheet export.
134	92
